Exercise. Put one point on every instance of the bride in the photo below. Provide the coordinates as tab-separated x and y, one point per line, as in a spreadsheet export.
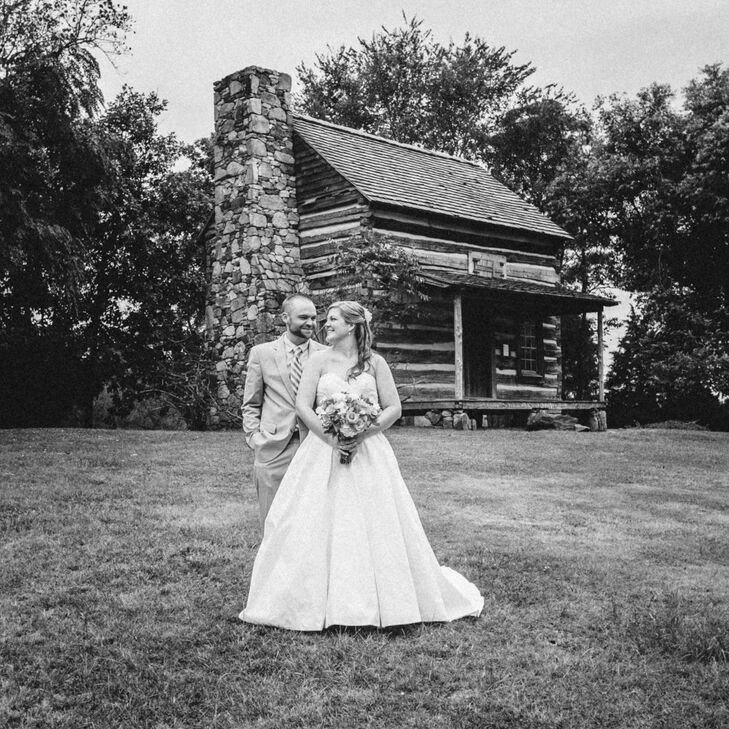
343	543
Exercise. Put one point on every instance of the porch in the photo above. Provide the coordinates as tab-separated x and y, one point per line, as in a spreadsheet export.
507	348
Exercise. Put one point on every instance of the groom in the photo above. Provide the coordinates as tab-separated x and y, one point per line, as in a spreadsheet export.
270	424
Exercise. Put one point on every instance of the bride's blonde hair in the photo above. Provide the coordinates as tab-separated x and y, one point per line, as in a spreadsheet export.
354	313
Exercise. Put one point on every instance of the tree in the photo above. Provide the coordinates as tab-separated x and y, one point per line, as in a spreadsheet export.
579	358
102	277
667	172
145	292
49	193
667	175
662	370
48	91
404	85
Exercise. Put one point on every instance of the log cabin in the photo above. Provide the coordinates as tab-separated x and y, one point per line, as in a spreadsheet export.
292	190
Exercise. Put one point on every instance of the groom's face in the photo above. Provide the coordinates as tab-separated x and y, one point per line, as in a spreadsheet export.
300	318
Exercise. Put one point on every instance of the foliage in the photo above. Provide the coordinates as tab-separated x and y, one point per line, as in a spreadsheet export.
668	176
579	358
665	367
665	173
50	161
62	35
404	85
146	294
101	278
534	137
50	192
371	265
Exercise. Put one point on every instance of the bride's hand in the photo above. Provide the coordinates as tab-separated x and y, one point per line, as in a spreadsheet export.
374	429
347	451
347	446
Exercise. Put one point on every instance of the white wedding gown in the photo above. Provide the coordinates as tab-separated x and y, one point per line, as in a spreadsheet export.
343	543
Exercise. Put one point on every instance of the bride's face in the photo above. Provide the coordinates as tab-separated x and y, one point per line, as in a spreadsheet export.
336	328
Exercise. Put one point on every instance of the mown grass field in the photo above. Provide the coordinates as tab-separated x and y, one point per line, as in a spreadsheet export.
603	557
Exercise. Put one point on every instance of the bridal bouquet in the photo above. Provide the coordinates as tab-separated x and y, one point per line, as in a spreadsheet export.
346	415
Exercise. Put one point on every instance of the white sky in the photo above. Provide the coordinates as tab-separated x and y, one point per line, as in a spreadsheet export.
181	47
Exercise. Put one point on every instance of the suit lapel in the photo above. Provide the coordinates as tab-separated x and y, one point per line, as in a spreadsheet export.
279	353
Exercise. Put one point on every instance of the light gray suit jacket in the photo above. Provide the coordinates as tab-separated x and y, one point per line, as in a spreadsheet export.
269	404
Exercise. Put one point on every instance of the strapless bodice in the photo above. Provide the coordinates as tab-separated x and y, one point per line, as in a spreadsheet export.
363	384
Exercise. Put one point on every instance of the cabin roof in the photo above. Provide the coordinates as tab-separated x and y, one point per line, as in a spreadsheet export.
559	300
402	175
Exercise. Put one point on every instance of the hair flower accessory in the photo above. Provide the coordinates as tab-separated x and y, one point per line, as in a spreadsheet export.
367	314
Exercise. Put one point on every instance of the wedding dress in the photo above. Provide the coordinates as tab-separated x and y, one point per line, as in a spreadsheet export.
343	543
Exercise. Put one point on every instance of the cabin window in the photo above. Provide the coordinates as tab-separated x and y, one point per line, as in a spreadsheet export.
529	356
486	264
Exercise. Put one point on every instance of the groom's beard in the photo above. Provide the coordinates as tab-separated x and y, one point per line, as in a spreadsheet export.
305	332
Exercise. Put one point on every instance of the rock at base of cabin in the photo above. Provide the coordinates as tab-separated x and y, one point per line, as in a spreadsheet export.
420	421
474	424
448	422
434	417
542	420
461	421
484	421
597	420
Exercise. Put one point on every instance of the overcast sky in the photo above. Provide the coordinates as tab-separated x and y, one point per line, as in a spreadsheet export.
591	47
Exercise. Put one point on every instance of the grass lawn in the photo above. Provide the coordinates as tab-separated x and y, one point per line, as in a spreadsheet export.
125	558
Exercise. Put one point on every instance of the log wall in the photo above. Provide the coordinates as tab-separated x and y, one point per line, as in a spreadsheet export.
439	254
422	355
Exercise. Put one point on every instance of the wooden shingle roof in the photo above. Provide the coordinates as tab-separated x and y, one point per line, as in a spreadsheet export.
391	173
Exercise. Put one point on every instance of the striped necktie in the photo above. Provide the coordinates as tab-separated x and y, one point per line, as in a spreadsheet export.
296	369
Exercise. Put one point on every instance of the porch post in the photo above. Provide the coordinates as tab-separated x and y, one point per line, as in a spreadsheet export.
458	341
600	358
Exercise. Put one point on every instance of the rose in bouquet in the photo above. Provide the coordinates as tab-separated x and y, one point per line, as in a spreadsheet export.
346	415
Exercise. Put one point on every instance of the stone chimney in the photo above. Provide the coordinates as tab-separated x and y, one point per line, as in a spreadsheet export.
254	255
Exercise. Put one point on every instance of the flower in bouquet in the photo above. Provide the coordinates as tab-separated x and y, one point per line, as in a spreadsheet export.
346	415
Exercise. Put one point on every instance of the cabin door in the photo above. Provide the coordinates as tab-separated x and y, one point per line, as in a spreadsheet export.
478	358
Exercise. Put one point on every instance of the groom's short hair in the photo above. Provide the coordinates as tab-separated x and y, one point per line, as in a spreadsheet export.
286	304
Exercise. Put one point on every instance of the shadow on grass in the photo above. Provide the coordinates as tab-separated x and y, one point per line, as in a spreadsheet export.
354	632
523	577
676	626
391	632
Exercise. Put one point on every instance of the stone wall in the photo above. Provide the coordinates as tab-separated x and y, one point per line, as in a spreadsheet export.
254	258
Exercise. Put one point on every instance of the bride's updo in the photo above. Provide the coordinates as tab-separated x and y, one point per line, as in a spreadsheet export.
354	313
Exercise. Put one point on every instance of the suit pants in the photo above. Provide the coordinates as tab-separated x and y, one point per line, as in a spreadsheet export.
268	476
